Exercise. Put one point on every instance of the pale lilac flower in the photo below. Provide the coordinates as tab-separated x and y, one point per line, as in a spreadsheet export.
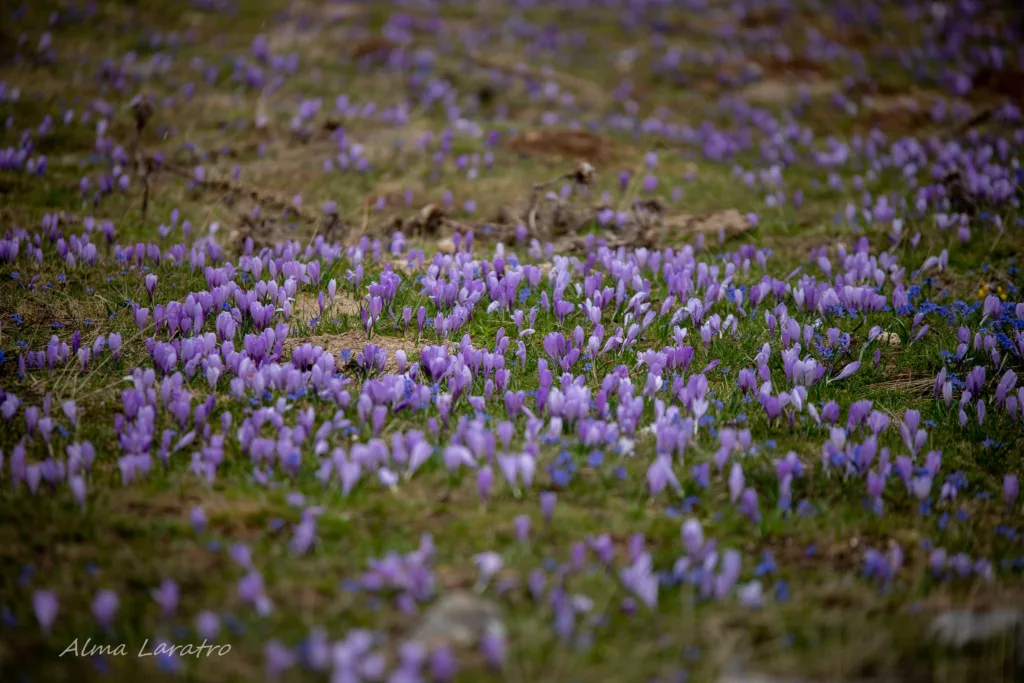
104	607
1011	487
488	564
167	597
847	371
45	606
547	504
207	625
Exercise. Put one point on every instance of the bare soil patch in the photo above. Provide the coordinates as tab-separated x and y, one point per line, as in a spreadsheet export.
1006	82
306	306
730	220
355	341
782	91
795	64
906	112
567	144
374	47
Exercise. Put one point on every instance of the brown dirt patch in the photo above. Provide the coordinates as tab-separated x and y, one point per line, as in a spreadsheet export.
648	227
836	556
455	577
876	87
306	306
1006	82
373	47
758	18
271	200
851	35
895	114
355	341
768	16
730	220
796	64
567	144
782	91
903	112
242	516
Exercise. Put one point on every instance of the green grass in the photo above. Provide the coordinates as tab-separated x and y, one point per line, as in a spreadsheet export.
835	625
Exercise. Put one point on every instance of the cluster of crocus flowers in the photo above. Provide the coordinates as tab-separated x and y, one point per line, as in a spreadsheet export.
523	374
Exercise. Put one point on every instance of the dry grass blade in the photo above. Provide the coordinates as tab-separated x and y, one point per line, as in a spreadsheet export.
258	195
908	382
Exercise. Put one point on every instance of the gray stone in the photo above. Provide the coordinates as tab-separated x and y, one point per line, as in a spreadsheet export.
459	619
959	628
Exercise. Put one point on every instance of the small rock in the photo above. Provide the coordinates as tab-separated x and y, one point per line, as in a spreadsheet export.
890	338
459	619
446	245
958	628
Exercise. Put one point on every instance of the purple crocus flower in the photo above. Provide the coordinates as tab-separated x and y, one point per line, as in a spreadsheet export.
104	607
547	504
70	409
456	457
641	580
748	505
277	659
167	597
442	664
859	411
114	342
207	625
241	554
920	333
876	486
494	649
693	536
735	482
45	606
1011	487
77	485
198	518
847	371
488	564
660	475
484	482
772	407
522	528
